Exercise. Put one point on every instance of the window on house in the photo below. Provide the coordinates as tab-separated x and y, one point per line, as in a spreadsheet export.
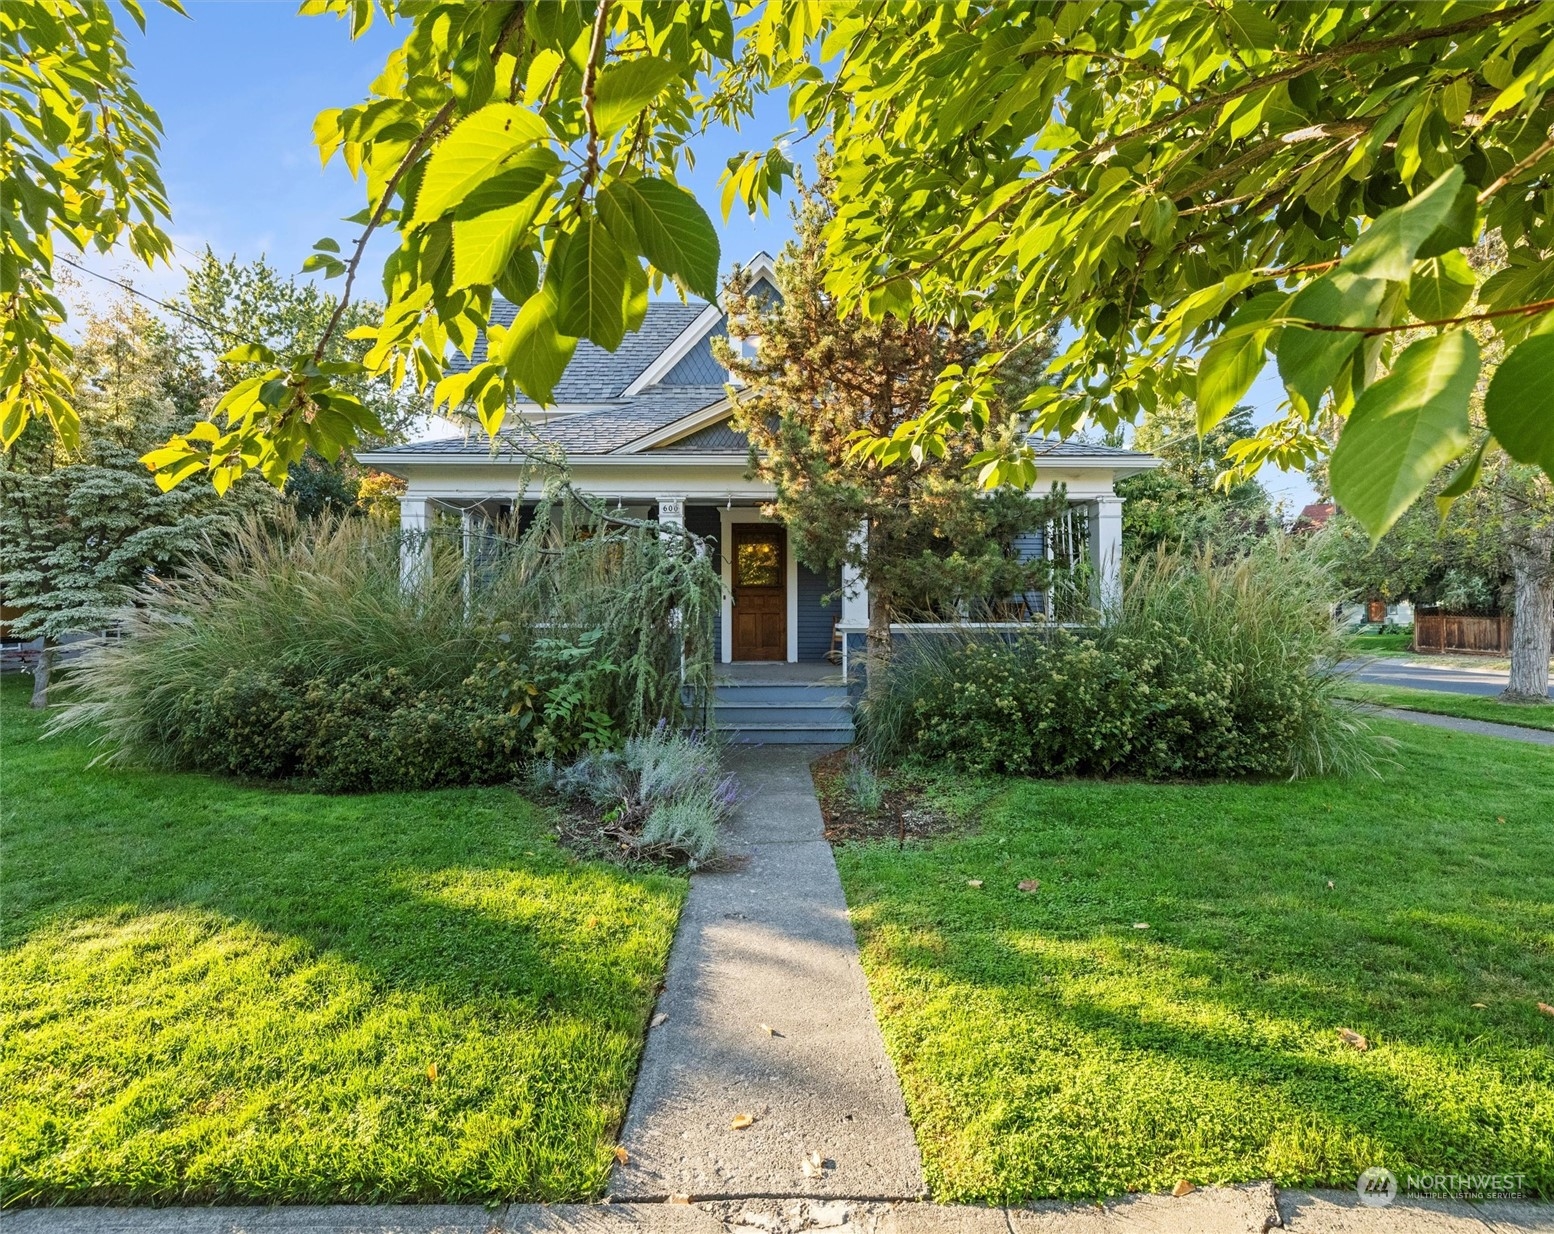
759	564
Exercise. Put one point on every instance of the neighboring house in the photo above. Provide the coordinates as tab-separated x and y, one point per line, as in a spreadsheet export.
646	427
1312	518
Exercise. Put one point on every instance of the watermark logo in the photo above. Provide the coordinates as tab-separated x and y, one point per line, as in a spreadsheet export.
1377	1187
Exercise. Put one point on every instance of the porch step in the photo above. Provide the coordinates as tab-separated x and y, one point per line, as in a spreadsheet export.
782	713
743	714
788	735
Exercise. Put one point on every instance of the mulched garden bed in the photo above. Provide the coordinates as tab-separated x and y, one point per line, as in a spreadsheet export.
905	813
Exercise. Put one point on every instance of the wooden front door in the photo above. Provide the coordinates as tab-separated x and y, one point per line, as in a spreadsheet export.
760	571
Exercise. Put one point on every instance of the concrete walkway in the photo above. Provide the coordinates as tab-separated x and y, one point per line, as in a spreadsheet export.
1483	728
1253	1209
765	1015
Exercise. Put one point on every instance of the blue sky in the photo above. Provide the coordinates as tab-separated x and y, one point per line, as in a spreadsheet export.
237	84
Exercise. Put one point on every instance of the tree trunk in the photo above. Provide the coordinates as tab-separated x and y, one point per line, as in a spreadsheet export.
40	675
877	662
1530	626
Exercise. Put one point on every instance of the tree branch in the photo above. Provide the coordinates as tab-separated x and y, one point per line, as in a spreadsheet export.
1343	51
590	85
417	148
1520	310
1516	170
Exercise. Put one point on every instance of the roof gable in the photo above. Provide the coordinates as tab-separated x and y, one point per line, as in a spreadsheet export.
595	375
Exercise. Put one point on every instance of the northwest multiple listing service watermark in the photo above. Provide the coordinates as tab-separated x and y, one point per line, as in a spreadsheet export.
1378	1187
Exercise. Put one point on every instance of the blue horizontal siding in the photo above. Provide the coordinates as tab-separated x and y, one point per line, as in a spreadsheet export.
815	618
703	521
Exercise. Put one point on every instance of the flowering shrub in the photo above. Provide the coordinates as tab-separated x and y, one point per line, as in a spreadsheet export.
1209	670
376	731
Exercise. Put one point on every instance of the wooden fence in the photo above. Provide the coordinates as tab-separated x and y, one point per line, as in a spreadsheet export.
1473	632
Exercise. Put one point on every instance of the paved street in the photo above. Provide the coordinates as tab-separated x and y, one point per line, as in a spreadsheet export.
1418	675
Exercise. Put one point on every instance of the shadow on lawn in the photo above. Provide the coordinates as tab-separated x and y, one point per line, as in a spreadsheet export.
1236	990
460	894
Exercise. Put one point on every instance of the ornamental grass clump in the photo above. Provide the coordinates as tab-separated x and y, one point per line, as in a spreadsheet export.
1208	669
310	652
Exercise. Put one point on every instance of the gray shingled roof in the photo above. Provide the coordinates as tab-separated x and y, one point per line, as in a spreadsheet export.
719	438
596	375
583	433
1077	448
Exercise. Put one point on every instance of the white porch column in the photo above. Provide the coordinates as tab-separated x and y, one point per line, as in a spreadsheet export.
1106	551
855	595
415	525
855	591
671	513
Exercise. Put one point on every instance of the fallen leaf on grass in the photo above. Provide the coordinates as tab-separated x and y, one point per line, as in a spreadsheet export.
1546	1009
741	1121
431	1071
622	1155
1183	1187
1141	925
1329	884
1030	884
973	882
659	1019
1481	1006
1353	1038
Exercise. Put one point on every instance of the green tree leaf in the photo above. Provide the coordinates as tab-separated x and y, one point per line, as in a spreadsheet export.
1441	286
673	230
479	146
591	276
1520	402
1404	429
1309	360
1466	478
1157	219
534	351
626	87
489	224
1387	248
1234	360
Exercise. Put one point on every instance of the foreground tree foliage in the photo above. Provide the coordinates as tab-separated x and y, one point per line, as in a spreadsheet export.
1198	190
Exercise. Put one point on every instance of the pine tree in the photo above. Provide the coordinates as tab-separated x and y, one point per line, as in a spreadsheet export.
937	544
81	530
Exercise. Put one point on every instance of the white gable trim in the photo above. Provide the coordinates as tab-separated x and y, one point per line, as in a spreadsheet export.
683	427
676	351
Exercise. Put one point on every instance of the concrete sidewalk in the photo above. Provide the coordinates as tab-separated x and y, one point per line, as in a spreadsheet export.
766	1015
1481	728
1253	1209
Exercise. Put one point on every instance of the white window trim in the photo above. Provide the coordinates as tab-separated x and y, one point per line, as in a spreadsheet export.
726	519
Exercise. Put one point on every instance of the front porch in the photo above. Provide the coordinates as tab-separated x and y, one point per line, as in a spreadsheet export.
777	614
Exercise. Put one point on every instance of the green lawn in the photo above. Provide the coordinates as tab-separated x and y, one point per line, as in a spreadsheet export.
1441	703
1047	1047
210	992
1379	644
